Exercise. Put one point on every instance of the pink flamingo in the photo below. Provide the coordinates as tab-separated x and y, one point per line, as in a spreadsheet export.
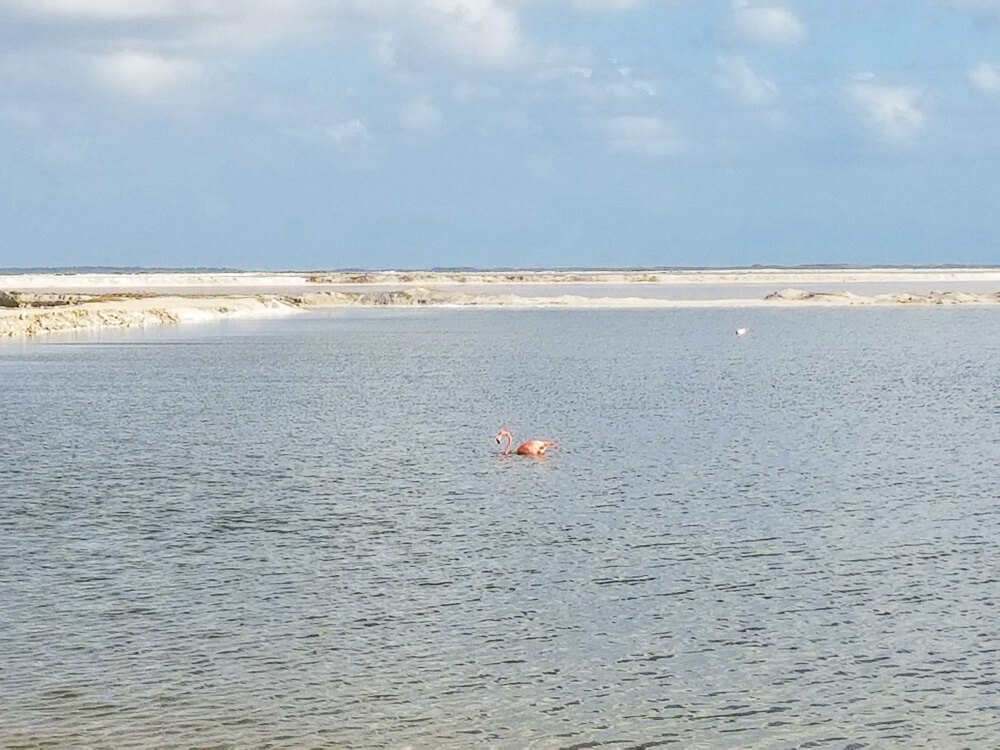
527	448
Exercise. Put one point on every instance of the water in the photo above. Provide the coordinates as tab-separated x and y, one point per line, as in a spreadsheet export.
298	533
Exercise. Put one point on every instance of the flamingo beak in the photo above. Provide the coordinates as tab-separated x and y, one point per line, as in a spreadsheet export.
498	439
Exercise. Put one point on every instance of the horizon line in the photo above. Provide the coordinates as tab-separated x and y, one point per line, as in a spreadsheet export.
56	270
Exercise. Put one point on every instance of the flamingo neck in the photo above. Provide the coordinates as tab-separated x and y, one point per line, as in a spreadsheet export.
510	442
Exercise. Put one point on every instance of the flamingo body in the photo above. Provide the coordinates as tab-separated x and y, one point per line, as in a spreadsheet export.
533	447
527	448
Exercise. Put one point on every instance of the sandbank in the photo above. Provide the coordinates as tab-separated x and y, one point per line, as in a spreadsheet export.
32	304
224	282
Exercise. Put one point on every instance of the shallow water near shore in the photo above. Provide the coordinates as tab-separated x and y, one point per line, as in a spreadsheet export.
299	532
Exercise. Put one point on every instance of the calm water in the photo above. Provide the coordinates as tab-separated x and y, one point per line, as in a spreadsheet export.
298	533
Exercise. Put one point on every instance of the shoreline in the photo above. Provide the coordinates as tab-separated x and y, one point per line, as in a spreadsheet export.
252	281
36	304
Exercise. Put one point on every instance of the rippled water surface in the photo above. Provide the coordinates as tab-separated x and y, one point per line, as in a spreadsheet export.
299	533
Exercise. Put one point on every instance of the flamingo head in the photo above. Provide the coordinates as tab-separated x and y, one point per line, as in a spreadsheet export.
501	435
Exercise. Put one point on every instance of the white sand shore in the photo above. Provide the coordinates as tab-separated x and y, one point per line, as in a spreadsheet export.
136	313
34	304
263	282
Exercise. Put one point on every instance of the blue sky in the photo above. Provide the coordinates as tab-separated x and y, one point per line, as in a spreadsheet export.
296	134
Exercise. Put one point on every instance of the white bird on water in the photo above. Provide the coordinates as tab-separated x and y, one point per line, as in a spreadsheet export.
741	331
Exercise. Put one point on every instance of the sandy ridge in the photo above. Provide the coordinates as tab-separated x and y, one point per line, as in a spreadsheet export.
27	314
136	313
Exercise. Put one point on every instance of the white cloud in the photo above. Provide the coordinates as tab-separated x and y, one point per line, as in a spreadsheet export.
607	81
766	24
608	5
481	33
647	136
735	76
350	130
419	114
629	85
175	25
384	48
892	112
985	77
145	75
478	33
97	9
565	73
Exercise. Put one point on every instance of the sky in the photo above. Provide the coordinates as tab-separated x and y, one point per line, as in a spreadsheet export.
320	134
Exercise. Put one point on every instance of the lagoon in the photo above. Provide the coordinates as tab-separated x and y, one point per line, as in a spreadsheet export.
299	533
